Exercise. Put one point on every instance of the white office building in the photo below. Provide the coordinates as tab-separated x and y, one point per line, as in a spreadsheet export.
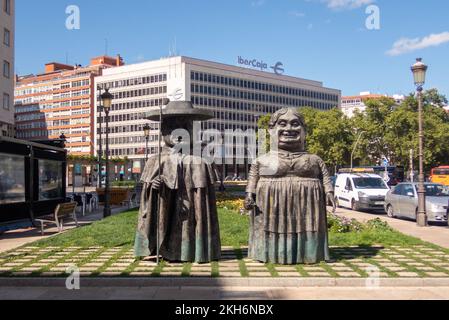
352	104
236	95
7	21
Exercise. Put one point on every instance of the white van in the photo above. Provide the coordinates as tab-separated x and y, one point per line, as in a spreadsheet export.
360	191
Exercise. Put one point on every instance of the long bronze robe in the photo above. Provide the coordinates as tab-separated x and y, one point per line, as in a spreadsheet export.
188	220
289	223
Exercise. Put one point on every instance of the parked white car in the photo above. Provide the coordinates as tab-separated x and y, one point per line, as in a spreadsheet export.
360	191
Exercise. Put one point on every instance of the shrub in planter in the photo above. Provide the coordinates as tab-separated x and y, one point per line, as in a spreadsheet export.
340	224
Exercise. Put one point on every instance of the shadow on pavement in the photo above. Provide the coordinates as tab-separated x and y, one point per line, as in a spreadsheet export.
350	253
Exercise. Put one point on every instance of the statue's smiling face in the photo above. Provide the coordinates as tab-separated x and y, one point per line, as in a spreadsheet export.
289	130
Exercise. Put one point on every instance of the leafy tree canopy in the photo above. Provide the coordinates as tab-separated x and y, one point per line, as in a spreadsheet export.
386	129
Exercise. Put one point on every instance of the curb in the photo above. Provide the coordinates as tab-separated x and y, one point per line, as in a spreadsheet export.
229	282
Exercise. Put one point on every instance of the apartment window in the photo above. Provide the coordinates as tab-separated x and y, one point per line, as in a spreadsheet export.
6	99
7	6
6	69
6	37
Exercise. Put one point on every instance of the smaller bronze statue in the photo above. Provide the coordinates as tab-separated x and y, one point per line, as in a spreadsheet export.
178	205
287	193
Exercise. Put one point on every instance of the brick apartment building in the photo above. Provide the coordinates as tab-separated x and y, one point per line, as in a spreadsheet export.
60	101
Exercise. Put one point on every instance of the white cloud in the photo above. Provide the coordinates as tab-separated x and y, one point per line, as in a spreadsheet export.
346	4
297	14
140	57
257	3
405	45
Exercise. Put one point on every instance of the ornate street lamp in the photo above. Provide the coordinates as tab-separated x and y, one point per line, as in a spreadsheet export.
106	98
355	148
419	74
223	161
146	132
100	147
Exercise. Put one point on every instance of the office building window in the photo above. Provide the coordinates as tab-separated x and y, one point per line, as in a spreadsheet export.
6	37
6	100
7	6
6	69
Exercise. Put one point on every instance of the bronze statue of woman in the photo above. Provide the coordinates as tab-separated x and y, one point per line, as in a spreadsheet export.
287	193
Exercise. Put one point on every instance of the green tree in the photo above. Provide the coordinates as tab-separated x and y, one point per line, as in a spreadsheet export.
388	130
433	97
262	123
373	126
328	134
403	135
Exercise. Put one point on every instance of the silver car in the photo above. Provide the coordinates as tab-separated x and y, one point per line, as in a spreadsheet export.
402	201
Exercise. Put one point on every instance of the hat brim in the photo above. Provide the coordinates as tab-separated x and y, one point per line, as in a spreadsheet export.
192	115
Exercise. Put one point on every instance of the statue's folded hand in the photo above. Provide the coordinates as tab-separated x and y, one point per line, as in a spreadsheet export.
331	200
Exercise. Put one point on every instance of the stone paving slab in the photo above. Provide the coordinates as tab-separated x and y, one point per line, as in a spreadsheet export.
348	262
260	274
288	274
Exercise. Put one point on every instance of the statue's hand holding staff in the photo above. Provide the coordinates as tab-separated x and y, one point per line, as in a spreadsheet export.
156	184
250	204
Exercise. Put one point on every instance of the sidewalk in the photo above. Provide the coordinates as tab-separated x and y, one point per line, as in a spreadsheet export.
221	293
19	237
438	235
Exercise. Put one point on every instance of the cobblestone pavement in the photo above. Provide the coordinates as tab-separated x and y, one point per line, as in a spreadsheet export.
351	262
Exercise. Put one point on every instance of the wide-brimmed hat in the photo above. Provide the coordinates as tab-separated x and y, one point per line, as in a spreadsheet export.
180	109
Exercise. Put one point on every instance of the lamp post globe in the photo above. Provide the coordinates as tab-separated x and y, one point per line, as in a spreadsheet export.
63	139
419	70
106	98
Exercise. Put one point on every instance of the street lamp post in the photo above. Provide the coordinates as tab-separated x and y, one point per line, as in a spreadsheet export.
106	97
100	147
419	73
146	131
223	172
355	147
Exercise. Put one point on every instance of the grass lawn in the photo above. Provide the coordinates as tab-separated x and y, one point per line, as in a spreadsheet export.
119	231
372	237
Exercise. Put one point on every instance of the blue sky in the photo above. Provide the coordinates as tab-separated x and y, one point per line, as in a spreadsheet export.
324	40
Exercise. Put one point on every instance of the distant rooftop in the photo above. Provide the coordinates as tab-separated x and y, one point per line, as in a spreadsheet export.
57	67
171	61
368	95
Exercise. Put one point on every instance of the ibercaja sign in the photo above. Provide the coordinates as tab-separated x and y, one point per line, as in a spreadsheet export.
254	63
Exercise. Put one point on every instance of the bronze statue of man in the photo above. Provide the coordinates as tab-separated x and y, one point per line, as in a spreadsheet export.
287	193
188	222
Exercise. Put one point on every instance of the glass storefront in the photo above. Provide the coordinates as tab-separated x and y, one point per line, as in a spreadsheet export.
32	178
12	178
50	180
